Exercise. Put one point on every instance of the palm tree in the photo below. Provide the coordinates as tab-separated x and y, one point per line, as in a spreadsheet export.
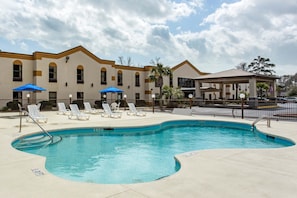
178	93
167	91
157	73
172	92
261	65
262	87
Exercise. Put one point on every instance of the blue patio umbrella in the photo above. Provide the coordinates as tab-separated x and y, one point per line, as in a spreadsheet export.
111	90
29	87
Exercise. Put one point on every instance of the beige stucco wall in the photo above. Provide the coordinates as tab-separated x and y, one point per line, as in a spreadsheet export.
6	78
184	71
66	73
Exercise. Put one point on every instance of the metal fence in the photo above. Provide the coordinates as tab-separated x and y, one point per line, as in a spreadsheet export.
271	109
231	108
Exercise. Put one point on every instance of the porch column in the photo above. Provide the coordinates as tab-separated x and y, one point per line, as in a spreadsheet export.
236	91
273	92
253	87
222	91
198	90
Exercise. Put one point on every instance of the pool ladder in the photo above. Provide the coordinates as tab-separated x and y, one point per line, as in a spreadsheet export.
43	130
261	118
38	141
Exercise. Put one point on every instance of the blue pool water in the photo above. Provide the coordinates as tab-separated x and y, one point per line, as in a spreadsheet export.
142	154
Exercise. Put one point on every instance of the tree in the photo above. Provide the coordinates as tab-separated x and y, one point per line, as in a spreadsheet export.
167	91
261	65
262	87
123	62
172	92
177	93
243	66
293	91
157	73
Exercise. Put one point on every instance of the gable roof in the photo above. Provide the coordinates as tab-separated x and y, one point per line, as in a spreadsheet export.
190	64
39	55
231	73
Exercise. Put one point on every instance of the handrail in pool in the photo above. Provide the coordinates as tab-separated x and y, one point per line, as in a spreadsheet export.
43	130
45	140
260	118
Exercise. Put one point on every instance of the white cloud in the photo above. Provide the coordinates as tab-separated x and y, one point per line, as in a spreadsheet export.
234	33
243	30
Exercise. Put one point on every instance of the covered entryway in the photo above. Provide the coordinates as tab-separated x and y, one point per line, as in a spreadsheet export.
228	81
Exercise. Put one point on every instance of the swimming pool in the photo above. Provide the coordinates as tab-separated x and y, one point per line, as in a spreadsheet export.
142	154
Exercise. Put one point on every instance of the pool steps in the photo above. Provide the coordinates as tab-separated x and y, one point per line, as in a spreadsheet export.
37	142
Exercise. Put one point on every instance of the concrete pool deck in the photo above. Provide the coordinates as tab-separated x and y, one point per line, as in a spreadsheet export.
208	173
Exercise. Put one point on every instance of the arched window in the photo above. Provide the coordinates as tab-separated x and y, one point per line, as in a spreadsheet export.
17	71
103	76
52	72
120	78
137	79
80	74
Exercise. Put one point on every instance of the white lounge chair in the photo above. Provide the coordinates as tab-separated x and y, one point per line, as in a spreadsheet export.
134	111
89	109
75	112
115	106
109	113
38	106
34	113
62	109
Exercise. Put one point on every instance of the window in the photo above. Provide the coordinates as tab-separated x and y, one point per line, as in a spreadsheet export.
103	76
186	82
17	96
80	96
17	71
52	98
80	74
137	79
137	96
120	78
52	72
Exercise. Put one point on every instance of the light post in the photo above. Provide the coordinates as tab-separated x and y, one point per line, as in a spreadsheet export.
125	102
153	97
28	98
242	97
190	98
104	98
70	97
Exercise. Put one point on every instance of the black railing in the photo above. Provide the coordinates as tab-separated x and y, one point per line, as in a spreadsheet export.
274	109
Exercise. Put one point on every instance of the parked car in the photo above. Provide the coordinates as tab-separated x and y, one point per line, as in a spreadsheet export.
281	100
291	99
263	99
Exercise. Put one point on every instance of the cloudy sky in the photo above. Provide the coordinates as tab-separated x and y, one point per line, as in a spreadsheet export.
214	35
